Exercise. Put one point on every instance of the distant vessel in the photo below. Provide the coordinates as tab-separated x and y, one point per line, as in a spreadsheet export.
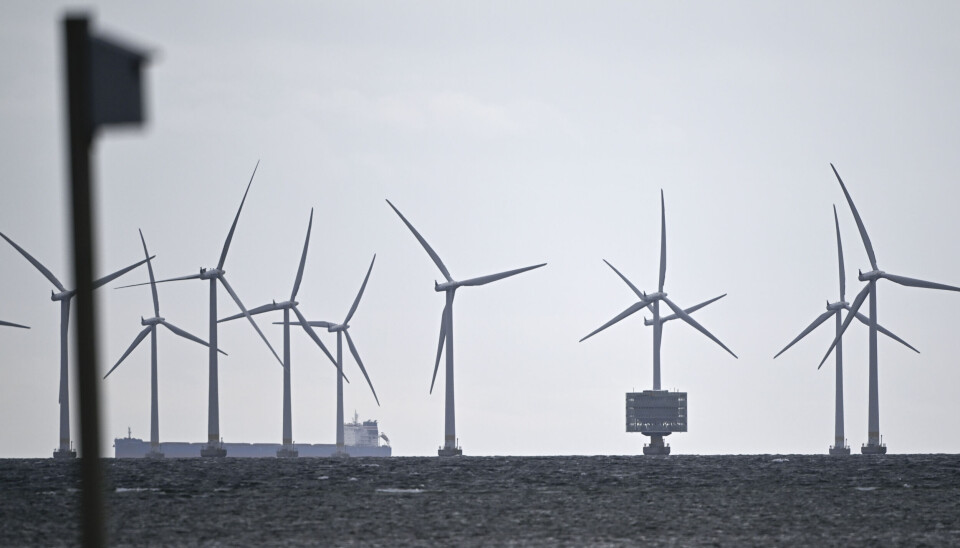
362	439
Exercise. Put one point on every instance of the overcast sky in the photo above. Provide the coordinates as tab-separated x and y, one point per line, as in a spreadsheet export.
509	134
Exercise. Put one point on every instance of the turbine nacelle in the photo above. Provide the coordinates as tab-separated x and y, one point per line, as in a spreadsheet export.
338	327
210	273
61	296
151	321
870	276
445	286
653	297
833	307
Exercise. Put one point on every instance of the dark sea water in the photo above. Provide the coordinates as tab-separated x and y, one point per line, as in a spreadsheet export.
907	500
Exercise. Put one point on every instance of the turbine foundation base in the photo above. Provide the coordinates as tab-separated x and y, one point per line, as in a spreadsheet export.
656	446
64	454
213	451
287	452
844	450
154	455
873	449
449	452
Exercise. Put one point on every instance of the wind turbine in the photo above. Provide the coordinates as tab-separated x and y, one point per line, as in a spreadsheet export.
450	445
652	301
151	329
63	295
287	449
217	274
873	445
342	330
834	309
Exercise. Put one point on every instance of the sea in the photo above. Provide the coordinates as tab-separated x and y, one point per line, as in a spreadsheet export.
680	500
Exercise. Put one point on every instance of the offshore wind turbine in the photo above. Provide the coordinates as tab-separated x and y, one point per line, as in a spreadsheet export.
287	449
151	329
342	330
63	295
449	287
873	445
214	275
834	309
652	301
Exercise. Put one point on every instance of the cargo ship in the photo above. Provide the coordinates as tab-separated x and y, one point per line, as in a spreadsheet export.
362	439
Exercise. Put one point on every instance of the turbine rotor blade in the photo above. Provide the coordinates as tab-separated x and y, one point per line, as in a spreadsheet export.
110	277
443	337
913	282
313	335
311	323
244	312
426	246
816	323
11	324
253	312
852	312
843	275
226	244
866	321
356	356
636	291
303	259
632	309
663	243
140	336
856	216
43	270
187	277
189	336
483	280
692	309
153	281
363	286
686	317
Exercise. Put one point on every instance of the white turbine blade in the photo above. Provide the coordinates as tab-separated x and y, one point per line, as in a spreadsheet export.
686	317
426	246
153	281
866	321
913	282
244	312
311	323
110	277
187	277
10	324
843	275
189	336
303	259
663	242
443	337
43	270
356	356
856	216
482	280
226	244
363	286
628	282
136	341
852	312
816	323
253	312
633	308
692	309
313	335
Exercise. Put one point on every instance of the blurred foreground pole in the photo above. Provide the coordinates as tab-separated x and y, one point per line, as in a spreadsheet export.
103	87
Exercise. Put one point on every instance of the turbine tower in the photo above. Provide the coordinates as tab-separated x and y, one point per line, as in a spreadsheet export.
217	274
151	329
834	309
288	449
63	295
450	446
342	330
652	301
873	445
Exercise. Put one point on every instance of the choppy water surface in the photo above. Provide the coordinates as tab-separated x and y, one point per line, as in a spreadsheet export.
677	500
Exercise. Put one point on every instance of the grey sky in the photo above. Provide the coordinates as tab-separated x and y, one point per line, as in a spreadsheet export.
509	134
